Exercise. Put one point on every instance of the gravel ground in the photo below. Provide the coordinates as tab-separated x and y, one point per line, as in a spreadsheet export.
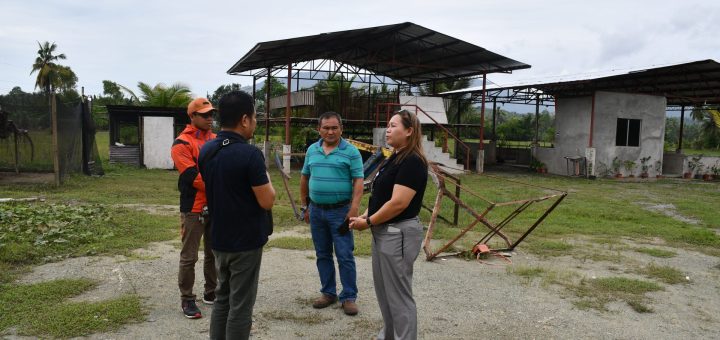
456	299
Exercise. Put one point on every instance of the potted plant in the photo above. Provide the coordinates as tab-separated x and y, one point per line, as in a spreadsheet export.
644	166
534	164
541	168
630	167
695	167
699	171
616	164
658	169
707	173
603	170
716	171
707	176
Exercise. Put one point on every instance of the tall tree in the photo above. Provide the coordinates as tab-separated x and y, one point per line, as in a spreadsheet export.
48	71
278	89
66	79
113	92
221	91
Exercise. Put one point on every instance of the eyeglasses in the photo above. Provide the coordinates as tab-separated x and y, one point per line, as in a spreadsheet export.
205	115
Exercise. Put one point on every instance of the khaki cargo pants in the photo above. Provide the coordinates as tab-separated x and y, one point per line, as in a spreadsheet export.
195	228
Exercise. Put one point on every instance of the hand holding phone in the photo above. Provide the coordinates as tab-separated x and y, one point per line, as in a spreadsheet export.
344	227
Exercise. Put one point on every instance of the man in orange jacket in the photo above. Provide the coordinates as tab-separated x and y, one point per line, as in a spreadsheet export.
193	206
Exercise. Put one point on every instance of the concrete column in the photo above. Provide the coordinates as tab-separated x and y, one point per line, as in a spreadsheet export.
379	136
491	152
266	153
286	158
590	162
480	163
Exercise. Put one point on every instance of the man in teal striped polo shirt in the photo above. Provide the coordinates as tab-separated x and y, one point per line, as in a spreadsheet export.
331	187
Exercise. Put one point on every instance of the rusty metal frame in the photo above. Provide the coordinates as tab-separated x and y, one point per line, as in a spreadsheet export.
439	177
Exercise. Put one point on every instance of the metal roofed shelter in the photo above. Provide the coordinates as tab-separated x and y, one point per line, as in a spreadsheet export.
583	106
404	54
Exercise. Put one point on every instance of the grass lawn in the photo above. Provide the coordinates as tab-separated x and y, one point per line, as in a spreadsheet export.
506	144
85	217
704	152
42	160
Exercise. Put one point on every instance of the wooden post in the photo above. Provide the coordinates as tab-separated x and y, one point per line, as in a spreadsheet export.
682	126
56	156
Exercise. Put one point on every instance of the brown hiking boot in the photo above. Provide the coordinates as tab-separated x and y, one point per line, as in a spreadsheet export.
350	307
324	301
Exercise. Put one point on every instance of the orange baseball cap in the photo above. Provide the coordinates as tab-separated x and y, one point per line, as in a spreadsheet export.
199	105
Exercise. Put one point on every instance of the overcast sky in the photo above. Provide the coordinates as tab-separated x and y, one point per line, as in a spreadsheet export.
196	42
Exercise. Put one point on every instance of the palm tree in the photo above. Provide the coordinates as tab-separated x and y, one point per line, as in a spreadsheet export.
176	95
48	76
710	122
336	90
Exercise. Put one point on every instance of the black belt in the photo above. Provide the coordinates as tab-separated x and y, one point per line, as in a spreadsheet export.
331	205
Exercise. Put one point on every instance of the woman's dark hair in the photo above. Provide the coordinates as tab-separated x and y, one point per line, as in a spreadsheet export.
232	106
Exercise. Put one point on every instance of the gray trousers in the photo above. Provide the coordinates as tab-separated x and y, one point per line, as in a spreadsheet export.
235	294
394	250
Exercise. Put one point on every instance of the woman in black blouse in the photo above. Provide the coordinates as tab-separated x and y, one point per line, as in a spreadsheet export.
396	198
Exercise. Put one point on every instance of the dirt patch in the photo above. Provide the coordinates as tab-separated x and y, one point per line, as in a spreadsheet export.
154	209
456	299
10	178
668	210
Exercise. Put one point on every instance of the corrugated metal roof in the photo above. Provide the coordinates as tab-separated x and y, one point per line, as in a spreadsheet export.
406	51
692	83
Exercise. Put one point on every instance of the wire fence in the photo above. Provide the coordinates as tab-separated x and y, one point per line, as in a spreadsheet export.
30	143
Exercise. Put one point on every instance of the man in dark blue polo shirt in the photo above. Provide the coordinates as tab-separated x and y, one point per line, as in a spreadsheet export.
240	196
332	184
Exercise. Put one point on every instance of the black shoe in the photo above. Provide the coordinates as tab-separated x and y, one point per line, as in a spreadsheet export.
191	310
209	299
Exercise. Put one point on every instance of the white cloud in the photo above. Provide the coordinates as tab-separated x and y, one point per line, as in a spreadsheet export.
196	42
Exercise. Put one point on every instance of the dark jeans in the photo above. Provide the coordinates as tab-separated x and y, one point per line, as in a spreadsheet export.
324	224
194	231
235	295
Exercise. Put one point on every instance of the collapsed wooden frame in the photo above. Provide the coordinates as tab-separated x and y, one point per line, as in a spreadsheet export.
439	177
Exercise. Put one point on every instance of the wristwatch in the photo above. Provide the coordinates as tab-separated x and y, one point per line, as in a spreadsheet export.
367	220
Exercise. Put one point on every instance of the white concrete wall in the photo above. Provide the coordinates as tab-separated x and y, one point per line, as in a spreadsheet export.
572	125
707	162
572	133
158	136
433	106
650	110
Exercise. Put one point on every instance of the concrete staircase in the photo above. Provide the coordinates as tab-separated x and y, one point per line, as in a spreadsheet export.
435	154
